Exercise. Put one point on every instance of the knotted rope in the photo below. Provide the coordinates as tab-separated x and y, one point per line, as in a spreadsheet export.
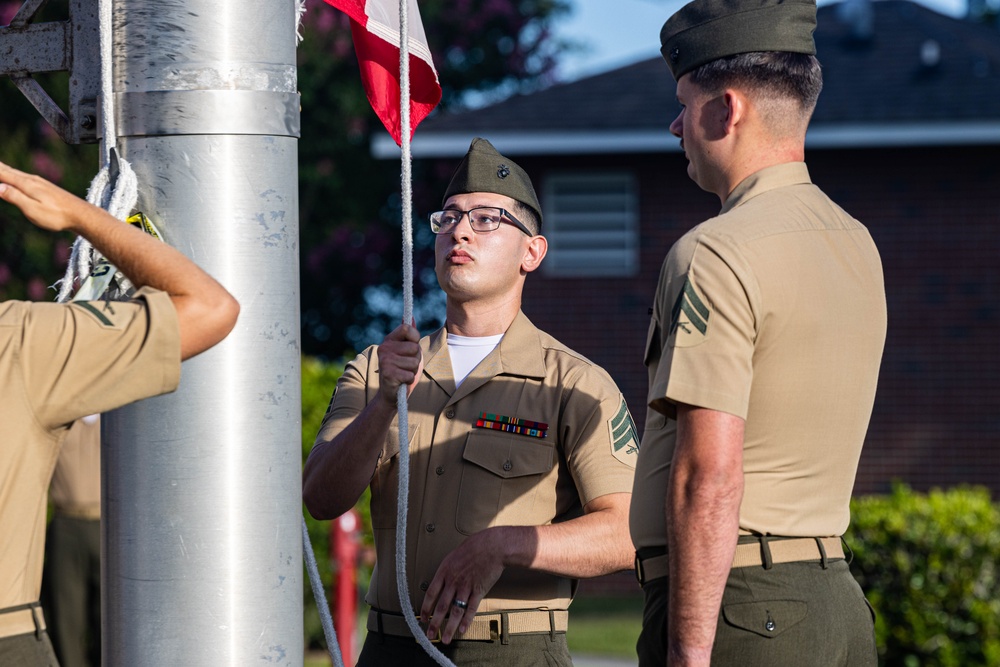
114	189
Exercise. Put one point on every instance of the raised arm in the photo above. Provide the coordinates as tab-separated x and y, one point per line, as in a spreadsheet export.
206	312
338	470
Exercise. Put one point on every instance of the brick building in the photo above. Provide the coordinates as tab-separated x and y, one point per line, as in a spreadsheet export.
906	137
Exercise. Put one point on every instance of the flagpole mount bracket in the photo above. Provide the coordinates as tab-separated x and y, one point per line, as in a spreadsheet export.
72	46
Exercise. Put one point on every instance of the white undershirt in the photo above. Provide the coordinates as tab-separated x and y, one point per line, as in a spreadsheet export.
466	353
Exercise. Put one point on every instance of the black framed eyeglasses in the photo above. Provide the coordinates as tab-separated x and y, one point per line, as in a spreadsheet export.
482	219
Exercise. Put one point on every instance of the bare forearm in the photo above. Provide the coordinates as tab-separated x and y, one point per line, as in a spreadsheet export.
702	514
702	528
205	310
594	544
143	259
337	472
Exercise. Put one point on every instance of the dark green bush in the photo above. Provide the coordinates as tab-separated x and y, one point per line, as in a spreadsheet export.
318	381
930	566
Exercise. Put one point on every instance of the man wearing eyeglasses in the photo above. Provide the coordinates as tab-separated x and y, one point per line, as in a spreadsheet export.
521	451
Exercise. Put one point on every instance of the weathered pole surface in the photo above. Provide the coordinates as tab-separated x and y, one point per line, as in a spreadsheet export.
202	558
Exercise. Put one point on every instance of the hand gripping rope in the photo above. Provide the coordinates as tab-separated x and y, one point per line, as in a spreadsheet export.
402	498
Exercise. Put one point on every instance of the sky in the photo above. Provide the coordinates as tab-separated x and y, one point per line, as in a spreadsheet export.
621	32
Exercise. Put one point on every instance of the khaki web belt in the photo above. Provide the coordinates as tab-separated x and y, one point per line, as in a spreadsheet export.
488	626
761	552
21	619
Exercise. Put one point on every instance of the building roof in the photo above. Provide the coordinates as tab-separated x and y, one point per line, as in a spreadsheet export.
895	74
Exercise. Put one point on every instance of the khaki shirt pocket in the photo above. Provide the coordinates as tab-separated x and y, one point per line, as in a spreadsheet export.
501	476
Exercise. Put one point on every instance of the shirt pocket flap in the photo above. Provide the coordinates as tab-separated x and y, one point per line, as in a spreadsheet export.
507	455
767	618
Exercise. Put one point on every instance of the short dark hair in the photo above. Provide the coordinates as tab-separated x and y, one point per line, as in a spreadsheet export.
528	216
795	76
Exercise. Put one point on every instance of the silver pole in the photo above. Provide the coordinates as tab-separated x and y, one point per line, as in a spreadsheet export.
202	556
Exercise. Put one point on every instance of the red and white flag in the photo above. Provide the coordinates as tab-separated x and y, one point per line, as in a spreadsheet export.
375	28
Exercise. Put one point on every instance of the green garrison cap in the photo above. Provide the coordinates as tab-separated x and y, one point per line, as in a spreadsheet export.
706	30
484	170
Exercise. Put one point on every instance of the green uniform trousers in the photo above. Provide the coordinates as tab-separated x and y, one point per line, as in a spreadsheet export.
791	614
71	590
541	650
28	650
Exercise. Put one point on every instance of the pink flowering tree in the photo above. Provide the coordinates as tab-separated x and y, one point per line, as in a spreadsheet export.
32	260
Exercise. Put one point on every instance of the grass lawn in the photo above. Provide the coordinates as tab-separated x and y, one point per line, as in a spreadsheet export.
605	625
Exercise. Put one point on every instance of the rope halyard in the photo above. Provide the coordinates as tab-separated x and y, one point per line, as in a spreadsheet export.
402	504
114	189
319	594
403	496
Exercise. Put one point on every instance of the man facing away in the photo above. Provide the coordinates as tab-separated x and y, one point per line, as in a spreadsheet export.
61	362
522	451
71	576
763	354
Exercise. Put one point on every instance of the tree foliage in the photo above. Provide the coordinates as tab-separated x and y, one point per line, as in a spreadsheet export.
349	202
31	259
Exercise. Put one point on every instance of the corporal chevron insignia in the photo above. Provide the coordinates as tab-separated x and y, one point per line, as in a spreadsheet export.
689	317
624	439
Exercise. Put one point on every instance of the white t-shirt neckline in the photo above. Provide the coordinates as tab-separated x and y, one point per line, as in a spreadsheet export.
467	352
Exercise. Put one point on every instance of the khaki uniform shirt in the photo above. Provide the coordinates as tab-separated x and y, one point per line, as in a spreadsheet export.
774	311
76	482
465	478
58	363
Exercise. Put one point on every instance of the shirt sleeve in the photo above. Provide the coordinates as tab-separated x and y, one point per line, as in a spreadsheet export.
708	346
349	398
89	357
599	437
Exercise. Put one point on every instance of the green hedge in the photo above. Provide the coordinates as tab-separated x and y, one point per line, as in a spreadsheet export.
318	381
930	566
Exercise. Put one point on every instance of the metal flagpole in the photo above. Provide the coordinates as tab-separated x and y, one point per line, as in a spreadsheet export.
202	557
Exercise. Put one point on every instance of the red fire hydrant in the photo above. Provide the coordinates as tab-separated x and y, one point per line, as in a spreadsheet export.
344	544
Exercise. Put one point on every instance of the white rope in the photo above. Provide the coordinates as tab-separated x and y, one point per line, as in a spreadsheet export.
118	198
109	140
319	594
300	12
403	497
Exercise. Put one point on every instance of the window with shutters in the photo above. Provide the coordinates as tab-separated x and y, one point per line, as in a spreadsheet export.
592	224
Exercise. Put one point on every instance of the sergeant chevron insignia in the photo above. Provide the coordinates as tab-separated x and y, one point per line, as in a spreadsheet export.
624	438
689	317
